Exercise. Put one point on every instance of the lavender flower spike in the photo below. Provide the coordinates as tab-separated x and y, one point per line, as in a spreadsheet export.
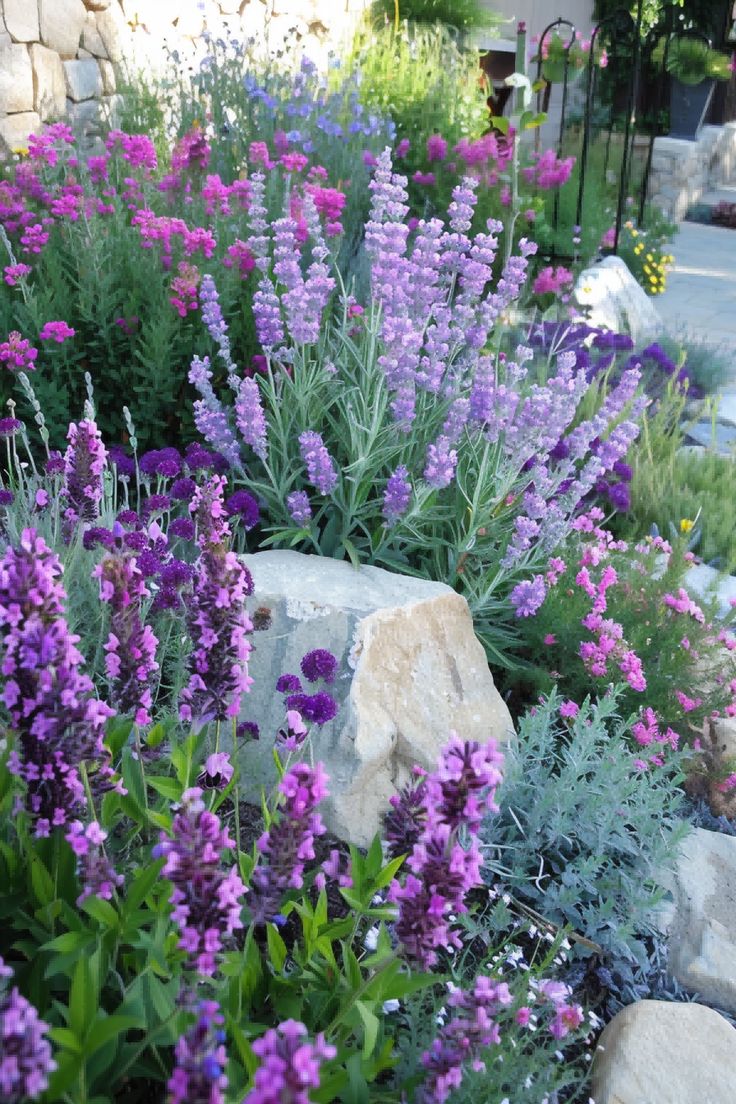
320	466
397	495
250	417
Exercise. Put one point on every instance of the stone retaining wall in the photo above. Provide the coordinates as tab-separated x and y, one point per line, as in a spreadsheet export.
682	171
61	58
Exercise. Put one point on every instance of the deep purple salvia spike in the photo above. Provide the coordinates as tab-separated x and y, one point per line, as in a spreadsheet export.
57	722
84	466
207	899
289	1065
130	659
199	1074
25	1053
289	841
217	617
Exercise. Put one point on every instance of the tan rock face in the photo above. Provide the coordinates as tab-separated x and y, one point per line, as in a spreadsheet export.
91	38
21	19
61	23
111	28
16	79
702	937
49	87
109	83
97	5
14	129
411	672
660	1052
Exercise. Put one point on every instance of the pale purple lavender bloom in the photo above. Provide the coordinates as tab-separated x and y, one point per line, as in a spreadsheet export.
214	321
456	420
300	512
320	466
441	463
528	596
209	415
267	315
397	495
250	417
289	1065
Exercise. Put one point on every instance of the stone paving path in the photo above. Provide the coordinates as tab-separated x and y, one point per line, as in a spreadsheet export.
700	299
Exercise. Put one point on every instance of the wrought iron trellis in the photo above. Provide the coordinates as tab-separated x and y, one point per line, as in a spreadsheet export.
620	32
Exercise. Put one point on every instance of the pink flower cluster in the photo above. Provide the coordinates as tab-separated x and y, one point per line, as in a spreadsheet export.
552	280
549	171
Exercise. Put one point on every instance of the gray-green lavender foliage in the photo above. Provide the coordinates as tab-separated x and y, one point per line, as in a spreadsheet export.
583	835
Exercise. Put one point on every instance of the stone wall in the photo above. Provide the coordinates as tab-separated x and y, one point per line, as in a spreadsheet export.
683	171
62	58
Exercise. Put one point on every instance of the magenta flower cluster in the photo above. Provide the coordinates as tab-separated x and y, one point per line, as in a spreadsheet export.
207	899
57	721
199	1074
96	873
289	1065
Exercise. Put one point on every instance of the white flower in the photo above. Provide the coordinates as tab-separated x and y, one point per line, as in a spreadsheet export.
371	939
519	80
392	1005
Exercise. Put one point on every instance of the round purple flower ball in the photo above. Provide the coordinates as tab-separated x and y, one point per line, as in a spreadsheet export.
619	495
319	664
7	498
183	489
243	505
318	708
182	527
288	684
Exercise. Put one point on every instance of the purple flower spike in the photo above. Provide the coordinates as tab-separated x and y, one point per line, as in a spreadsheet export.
199	1071
206	899
84	465
397	496
25	1053
297	503
320	466
290	1065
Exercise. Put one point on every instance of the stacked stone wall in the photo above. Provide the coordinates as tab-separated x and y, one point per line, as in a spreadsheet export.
62	59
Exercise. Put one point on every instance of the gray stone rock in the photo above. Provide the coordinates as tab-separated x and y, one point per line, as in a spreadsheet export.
719	438
661	1052
411	671
21	19
109	83
91	38
702	939
61	23
726	412
83	79
703	581
16	80
49	85
611	298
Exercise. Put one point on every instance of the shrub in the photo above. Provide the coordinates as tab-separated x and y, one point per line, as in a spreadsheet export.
461	14
583	835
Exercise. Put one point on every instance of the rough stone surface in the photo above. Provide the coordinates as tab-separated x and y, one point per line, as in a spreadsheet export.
83	79
16	80
61	23
14	129
109	83
661	1052
91	37
49	86
21	19
612	299
411	671
702	938
97	5
703	581
111	29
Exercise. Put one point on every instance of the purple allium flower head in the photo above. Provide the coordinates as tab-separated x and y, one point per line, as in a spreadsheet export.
247	730
288	684
125	464
317	708
199	1074
54	464
182	528
94	869
289	1065
9	427
165	461
25	1053
84	465
182	489
130	650
244	506
7	498
619	495
298	506
320	466
56	721
319	664
97	535
207	900
289	841
397	495
155	504
528	596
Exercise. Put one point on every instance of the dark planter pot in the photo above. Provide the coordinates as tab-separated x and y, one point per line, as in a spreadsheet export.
689	105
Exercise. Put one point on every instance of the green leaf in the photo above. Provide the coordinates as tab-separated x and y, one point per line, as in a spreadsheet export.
82	1000
104	1030
41	881
276	948
352	551
371	1025
500	122
169	788
65	1038
69	941
142	885
102	911
389	872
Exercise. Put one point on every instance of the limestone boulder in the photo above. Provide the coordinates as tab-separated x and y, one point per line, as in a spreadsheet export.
611	298
21	19
109	84
91	37
61	23
97	5
16	80
83	79
661	1052
49	85
411	671
112	30
14	130
701	935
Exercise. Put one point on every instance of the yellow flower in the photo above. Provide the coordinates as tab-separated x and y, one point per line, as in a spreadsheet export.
21	151
686	525
635	233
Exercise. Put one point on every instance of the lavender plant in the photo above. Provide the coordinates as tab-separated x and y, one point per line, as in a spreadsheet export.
400	433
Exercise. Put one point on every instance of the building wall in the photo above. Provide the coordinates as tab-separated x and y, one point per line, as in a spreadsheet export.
538	14
60	58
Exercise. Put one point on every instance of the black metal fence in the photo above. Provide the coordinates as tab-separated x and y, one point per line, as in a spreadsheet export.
616	99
